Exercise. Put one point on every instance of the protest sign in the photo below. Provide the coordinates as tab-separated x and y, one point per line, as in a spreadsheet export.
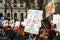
11	23
33	21
34	14
50	8
5	23
56	22
17	23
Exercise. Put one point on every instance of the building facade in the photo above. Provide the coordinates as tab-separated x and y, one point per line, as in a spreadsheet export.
17	9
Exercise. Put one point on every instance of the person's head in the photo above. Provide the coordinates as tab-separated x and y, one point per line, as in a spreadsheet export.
9	26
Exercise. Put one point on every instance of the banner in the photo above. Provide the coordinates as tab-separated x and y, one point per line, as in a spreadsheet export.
50	8
33	21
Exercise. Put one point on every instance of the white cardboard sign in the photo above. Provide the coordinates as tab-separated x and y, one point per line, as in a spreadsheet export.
56	20
17	23
33	21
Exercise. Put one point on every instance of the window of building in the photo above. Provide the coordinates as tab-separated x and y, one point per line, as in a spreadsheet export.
7	4
40	4
21	2
32	1
15	3
22	17
21	5
8	14
0	3
1	15
15	15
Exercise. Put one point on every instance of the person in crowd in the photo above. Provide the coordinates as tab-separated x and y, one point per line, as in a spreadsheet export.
0	25
11	34
42	34
51	35
1	32
48	30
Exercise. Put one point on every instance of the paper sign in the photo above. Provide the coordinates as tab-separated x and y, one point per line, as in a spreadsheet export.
5	23
56	20
50	8
34	14
17	23
33	21
11	23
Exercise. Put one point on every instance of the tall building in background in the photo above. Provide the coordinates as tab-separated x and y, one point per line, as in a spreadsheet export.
17	9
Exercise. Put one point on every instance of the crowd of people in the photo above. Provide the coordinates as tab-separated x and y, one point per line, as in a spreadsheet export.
11	33
46	32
